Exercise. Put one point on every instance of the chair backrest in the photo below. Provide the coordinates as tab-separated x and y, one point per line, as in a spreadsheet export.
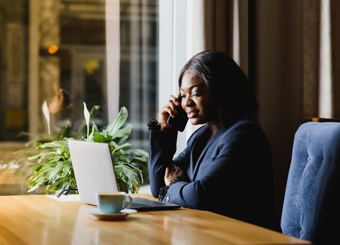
311	207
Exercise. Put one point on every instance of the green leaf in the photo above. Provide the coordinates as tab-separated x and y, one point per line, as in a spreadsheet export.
122	134
118	121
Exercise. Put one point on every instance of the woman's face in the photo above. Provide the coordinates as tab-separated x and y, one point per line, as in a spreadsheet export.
196	99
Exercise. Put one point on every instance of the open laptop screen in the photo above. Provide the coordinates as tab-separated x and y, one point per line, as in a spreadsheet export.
94	172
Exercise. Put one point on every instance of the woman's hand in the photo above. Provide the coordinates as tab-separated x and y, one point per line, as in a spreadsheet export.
169	109
172	173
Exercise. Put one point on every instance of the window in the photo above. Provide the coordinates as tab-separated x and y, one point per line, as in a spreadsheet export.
51	44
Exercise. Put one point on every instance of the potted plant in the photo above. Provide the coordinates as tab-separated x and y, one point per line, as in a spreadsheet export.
47	164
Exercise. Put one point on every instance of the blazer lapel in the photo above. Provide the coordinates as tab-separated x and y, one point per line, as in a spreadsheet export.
202	155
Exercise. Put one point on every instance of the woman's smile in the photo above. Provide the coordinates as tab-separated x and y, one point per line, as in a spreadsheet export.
192	114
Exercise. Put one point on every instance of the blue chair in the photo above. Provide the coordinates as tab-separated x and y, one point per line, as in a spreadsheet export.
311	207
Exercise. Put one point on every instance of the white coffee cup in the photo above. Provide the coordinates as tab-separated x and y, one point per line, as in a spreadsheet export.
112	202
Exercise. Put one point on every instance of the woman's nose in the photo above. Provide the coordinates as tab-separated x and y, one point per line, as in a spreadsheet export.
189	103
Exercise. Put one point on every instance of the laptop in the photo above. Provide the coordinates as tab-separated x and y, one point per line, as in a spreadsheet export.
94	172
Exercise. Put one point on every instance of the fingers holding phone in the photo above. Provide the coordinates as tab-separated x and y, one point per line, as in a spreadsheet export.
180	119
171	107
172	114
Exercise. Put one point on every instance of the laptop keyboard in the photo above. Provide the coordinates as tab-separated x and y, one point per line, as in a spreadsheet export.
138	205
146	204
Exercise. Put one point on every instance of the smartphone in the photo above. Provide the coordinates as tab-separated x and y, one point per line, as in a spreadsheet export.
181	119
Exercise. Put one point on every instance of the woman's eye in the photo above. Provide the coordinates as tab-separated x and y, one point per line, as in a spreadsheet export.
196	95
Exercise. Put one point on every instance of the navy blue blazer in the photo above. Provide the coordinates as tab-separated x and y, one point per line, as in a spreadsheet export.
231	174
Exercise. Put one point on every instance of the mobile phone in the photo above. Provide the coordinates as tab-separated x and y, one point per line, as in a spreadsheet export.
181	119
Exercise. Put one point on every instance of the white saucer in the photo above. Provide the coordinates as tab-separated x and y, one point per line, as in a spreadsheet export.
116	216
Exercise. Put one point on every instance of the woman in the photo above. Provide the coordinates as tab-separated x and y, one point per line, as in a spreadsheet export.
226	167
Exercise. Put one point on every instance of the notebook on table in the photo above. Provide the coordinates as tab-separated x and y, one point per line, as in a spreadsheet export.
94	172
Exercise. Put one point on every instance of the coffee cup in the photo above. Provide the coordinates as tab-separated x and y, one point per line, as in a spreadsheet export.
112	202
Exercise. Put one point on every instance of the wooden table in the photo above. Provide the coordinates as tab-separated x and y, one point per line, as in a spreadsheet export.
40	219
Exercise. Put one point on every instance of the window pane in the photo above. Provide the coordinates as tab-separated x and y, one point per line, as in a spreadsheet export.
48	45
138	66
13	68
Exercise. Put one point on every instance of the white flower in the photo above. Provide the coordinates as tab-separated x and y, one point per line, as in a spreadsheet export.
47	116
87	118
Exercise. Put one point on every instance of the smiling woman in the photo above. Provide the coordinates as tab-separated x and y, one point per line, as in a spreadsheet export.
229	155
